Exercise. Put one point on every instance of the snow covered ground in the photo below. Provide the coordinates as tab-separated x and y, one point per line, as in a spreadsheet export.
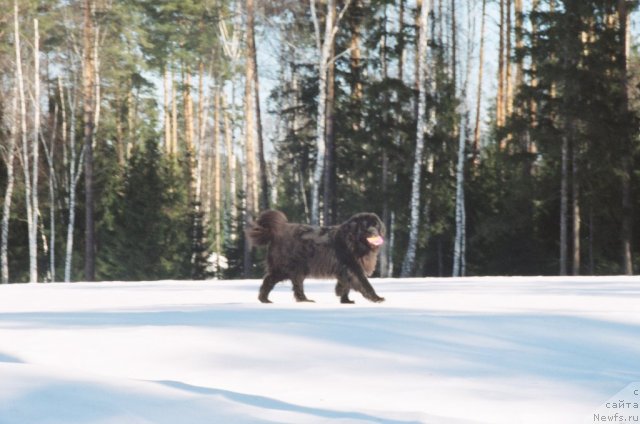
470	350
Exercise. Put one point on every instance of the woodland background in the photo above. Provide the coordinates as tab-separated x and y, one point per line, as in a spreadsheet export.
139	137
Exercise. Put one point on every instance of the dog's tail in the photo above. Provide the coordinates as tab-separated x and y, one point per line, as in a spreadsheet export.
267	227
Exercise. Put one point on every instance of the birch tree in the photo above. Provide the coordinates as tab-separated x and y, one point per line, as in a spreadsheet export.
231	48
35	150
460	245
324	48
422	127
27	152
50	154
9	158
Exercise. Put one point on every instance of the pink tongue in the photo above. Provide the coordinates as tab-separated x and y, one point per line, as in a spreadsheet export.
376	240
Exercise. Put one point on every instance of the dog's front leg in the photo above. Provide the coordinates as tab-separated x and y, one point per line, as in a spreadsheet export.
342	290
363	285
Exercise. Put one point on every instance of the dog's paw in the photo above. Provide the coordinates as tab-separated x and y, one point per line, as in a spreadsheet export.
345	299
306	300
377	299
264	299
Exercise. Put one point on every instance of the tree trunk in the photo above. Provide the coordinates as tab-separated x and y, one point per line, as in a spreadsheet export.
329	197
50	151
519	38
533	104
217	174
384	251
476	132
454	46
263	199
230	188
35	149
508	83
174	117
501	88
130	121
8	195
564	204
575	208
356	57
626	168
26	153
251	177
167	110
75	165
324	51
571	49
88	88
188	117
401	42
459	249
414	206
459	262
324	48
199	153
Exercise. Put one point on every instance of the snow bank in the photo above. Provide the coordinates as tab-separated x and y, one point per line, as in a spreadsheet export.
470	350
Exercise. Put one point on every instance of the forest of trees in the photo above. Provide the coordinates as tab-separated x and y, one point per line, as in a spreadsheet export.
138	138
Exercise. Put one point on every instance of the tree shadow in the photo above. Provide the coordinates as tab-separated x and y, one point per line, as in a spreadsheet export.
270	403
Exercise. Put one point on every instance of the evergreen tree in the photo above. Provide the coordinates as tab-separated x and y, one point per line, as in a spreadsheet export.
150	236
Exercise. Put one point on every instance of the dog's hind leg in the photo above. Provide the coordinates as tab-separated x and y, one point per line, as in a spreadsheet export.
269	282
298	289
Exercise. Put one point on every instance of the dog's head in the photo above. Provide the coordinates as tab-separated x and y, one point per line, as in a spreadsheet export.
363	233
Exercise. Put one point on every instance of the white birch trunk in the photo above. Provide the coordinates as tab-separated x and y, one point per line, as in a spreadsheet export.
458	247
33	272
49	151
8	196
217	174
75	171
409	260
35	149
324	53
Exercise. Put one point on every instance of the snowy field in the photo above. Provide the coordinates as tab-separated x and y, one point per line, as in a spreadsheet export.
471	350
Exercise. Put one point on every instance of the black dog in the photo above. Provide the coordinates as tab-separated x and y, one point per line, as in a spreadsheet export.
347	252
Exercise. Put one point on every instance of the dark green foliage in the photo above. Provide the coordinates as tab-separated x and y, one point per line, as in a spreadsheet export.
149	233
149	228
580	94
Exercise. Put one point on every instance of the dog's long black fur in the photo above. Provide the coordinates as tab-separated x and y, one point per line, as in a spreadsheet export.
297	251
